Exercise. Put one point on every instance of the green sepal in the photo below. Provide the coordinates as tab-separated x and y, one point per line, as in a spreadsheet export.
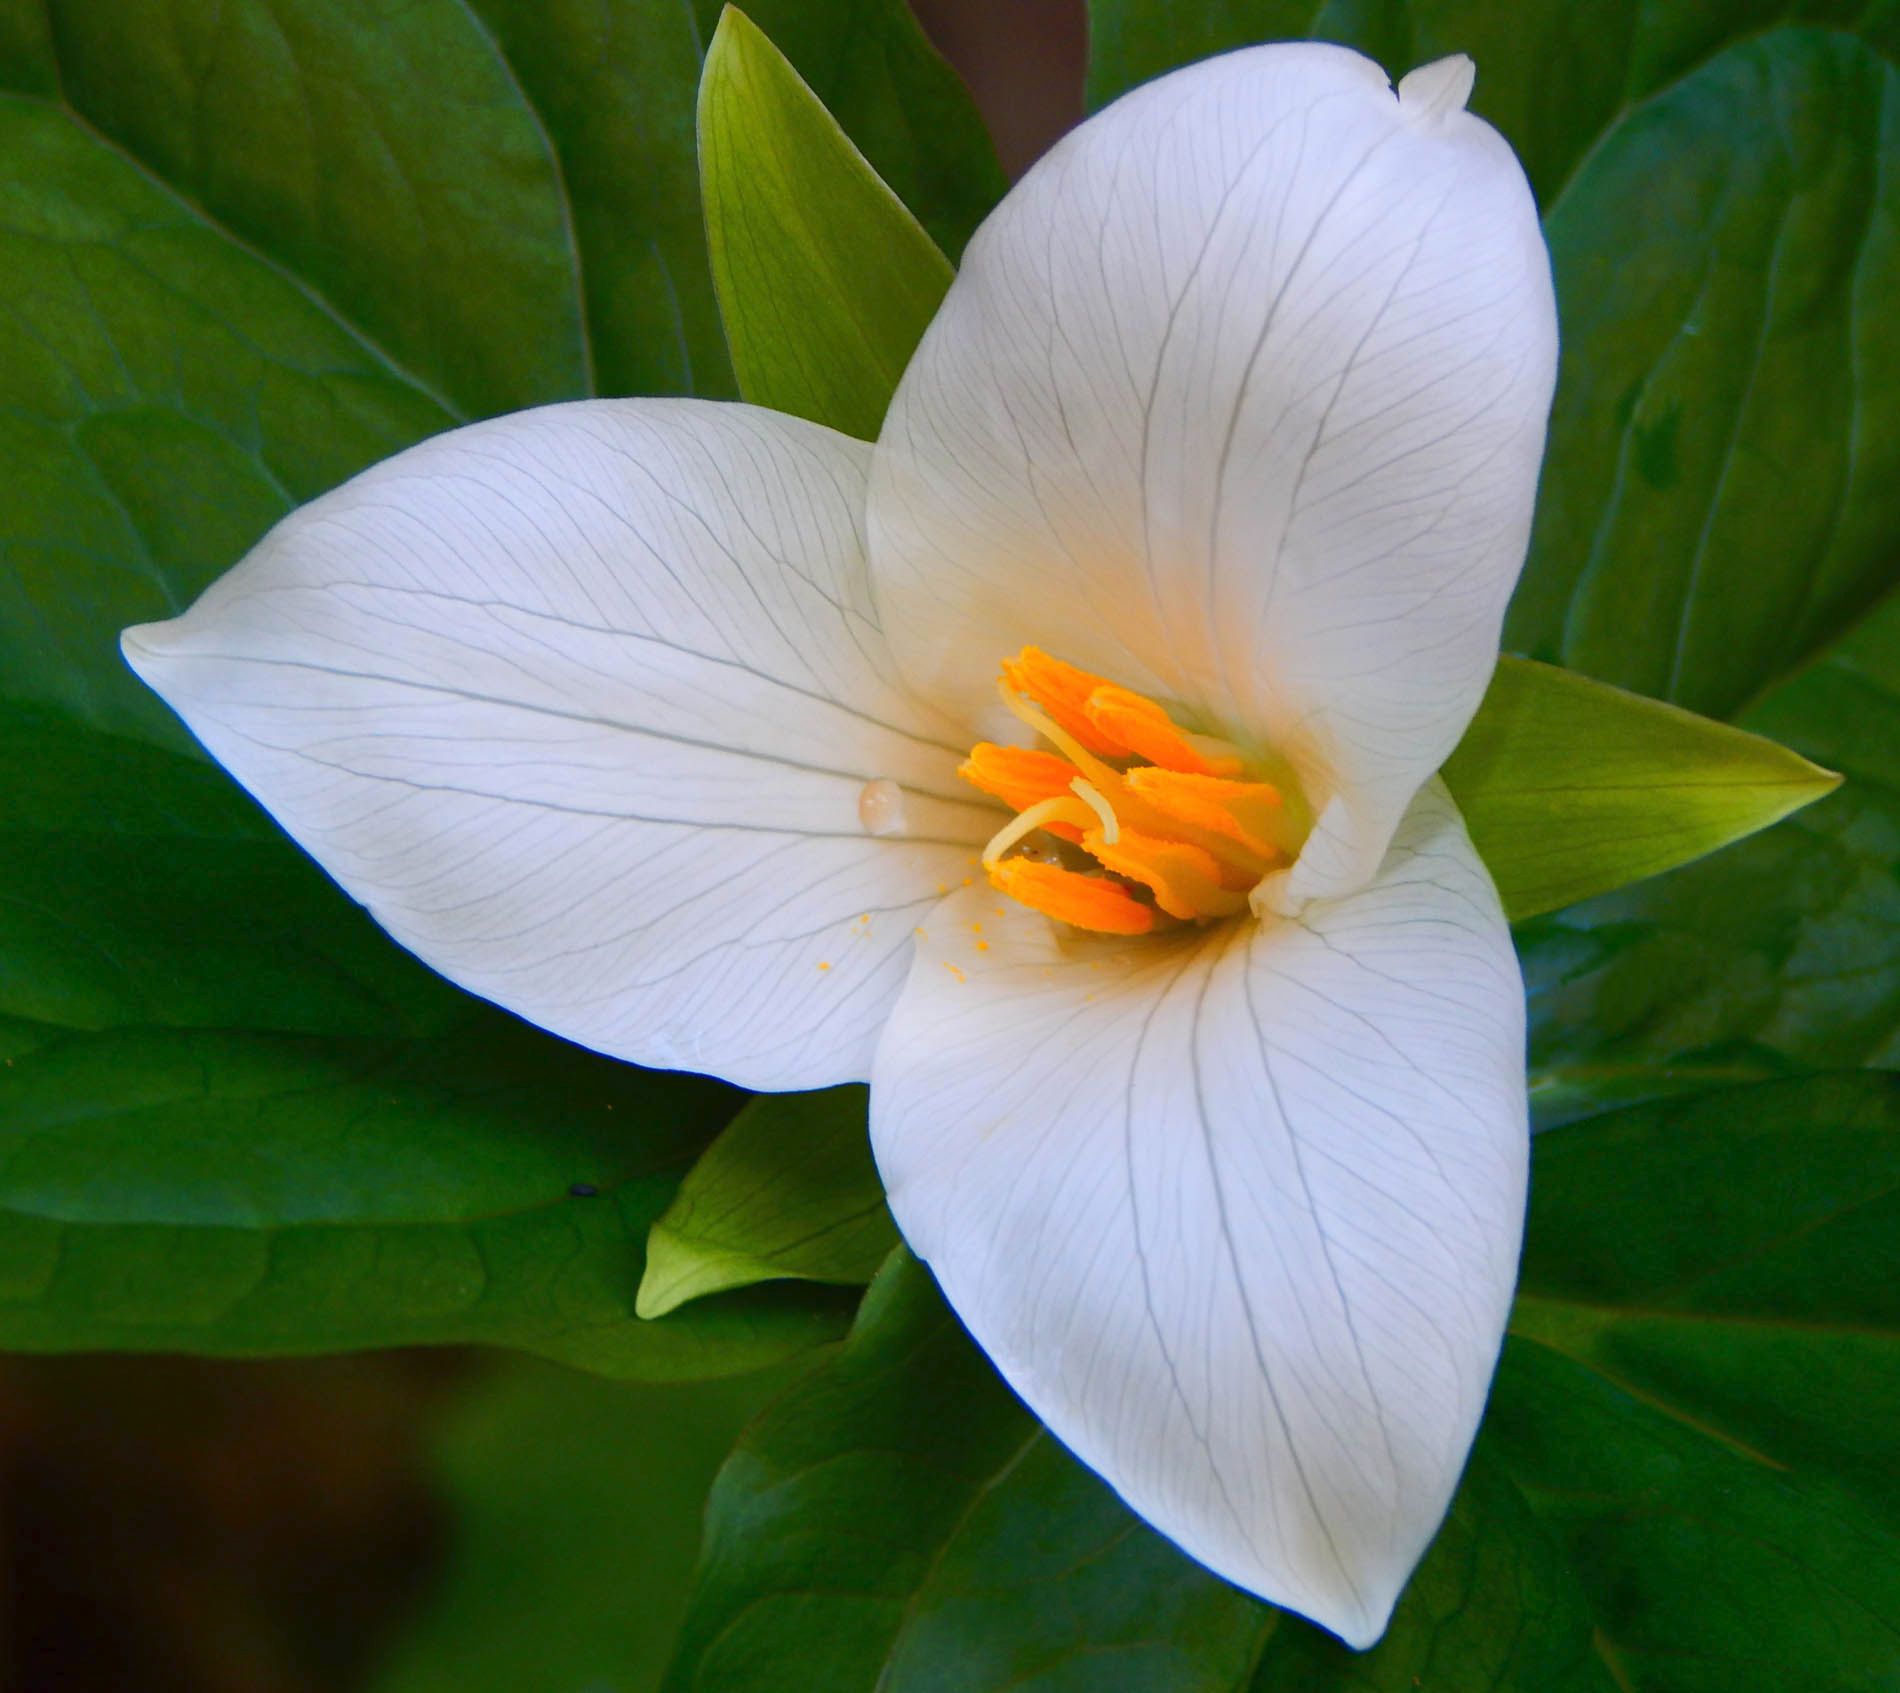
825	280
1571	787
787	1190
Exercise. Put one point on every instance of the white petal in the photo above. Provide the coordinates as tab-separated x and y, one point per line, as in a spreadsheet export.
1238	1216
581	704
1239	398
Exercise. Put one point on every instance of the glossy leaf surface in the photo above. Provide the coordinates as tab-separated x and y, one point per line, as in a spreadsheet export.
253	1194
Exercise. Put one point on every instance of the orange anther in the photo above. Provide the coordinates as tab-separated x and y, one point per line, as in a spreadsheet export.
1020	777
1186	881
1246	813
1089	902
1063	692
1120	714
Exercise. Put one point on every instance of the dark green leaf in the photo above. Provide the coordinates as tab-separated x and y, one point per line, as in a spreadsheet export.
167	394
787	1190
826	283
874	71
1723	483
1706	1570
256	1194
1701	1396
1495	1607
613	85
577	1505
899	1522
1570	788
1613	54
383	160
1734	1259
143	887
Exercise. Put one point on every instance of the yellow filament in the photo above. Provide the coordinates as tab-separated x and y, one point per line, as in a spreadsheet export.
1091	796
1061	809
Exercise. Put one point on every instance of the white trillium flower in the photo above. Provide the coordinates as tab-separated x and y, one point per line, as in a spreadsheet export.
653	721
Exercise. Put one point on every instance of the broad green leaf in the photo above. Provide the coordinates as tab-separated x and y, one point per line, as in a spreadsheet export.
826	283
439	229
1776	952
613	86
167	394
1722	488
787	1190
1495	1607
1571	788
1721	196
251	1194
143	887
1699	1397
576	1506
1705	1570
898	1522
1734	1259
871	67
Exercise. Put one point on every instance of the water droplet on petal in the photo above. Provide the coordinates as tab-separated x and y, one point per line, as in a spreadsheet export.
881	807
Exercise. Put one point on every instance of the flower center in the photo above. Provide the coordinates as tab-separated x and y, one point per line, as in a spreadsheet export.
1125	822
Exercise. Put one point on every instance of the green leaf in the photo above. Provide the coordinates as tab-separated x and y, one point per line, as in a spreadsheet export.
614	88
143	887
254	1194
871	66
576	1508
898	1522
1723	481
438	230
1699	1398
1734	1260
826	283
1615	54
1705	1570
167	394
787	1190
1571	788
1777	952
1494	1607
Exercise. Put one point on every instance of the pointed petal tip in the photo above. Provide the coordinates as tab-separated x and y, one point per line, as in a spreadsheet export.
143	644
1360	1628
1438	89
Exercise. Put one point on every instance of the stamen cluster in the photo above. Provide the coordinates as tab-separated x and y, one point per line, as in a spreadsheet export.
1131	823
